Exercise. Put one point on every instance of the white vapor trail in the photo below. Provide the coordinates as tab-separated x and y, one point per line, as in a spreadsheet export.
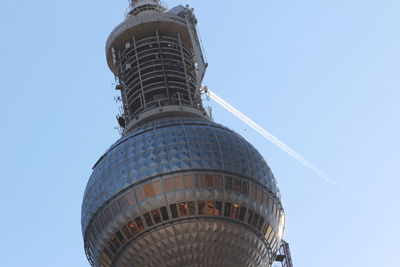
277	142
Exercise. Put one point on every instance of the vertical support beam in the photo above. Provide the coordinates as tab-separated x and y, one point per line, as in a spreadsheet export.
120	79
142	98
184	68
163	67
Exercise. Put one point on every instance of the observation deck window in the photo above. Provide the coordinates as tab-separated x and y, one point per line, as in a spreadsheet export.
210	207
126	232
156	216
178	183
174	211
182	209
237	185
235	210
139	194
133	228
168	184
148	220
249	216
139	223
209	180
245	188
227	209
228	182
188	181
218	208
192	208
164	213
201	207
218	181
148	191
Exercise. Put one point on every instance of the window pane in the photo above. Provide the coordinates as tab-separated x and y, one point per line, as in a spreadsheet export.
218	181
260	223
126	232
133	228
188	181
245	188
210	207
168	184
270	237
235	211
164	213
111	247
108	253
122	204
148	220
259	195
265	200
274	212
237	186
139	223
107	212
129	198
103	220
270	204
182	209
218	207
253	191
209	180
199	180
115	208
242	213
227	209
148	191
201	205
156	216
158	187
174	211
115	242
139	194
255	219
228	182
268	232
249	216
192	208
120	237
178	183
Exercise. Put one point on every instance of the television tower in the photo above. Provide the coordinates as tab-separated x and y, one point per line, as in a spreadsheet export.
177	189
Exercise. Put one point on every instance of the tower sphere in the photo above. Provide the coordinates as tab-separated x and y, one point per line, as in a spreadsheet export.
177	189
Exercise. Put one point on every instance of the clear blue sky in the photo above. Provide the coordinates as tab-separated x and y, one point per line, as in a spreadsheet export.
323	76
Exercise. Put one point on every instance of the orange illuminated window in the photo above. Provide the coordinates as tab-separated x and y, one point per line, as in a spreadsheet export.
178	183
270	237
210	207
115	242
139	194
253	191
168	184
235	210
174	211
158	187
268	232
188	181
148	190
209	180
133	228
126	232
218	181
199	180
111	247
182	209
120	237
259	195
140	223
218	208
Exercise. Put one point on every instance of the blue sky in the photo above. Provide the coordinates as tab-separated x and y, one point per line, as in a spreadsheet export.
323	76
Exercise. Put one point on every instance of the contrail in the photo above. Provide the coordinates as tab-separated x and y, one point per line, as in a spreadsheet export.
277	142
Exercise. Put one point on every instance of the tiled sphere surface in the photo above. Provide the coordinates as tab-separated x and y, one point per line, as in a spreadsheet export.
171	145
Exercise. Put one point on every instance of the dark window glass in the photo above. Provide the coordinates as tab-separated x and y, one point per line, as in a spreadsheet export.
107	212
139	223
242	213
115	242
120	237
199	180
111	247
210	207
98	226
235	210
156	216
192	208
164	213
174	211
228	183
227	209
218	208
126	232
182	209
236	184
209	180
249	216
115	208
218	181
255	219
133	228
148	220
201	206
260	223
148	190
245	188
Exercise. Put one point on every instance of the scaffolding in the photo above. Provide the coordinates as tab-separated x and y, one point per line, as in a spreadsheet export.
284	256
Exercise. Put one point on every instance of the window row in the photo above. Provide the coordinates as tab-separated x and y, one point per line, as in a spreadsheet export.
184	209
